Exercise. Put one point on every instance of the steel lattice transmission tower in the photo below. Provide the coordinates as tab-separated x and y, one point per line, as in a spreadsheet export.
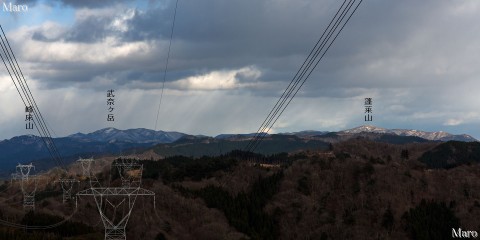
110	200
28	184
67	186
15	176
87	164
130	171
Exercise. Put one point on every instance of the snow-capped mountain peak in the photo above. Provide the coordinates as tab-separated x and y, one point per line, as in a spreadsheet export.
366	128
435	136
139	135
109	130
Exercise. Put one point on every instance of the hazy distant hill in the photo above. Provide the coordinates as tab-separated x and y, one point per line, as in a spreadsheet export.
138	135
235	136
200	146
335	137
416	135
31	148
271	144
307	133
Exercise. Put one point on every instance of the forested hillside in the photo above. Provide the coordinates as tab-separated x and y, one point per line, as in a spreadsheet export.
356	189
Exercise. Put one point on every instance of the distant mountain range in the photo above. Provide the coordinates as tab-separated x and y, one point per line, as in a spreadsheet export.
30	148
433	136
138	135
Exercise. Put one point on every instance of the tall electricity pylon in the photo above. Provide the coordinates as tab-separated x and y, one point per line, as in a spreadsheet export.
86	164
87	171
67	186
130	171
28	184
110	200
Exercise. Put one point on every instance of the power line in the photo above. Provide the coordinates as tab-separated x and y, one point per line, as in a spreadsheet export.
307	75
280	108
274	110
305	69
27	97
21	96
7	56
166	63
37	227
311	70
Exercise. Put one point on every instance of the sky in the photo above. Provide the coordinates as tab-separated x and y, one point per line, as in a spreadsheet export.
231	60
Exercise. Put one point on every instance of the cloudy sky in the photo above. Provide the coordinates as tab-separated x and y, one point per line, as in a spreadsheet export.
231	60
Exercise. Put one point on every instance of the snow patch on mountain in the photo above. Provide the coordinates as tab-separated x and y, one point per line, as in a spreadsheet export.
139	135
434	136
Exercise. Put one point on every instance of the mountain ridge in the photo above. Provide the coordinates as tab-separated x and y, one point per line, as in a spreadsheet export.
433	136
30	148
143	135
134	135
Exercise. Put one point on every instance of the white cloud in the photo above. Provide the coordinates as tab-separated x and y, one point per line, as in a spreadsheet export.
466	7
6	84
219	80
419	68
463	117
453	122
119	22
50	30
108	50
53	46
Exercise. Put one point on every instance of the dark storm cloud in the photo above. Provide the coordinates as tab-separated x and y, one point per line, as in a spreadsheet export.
417	59
210	35
155	23
90	30
274	36
40	36
87	31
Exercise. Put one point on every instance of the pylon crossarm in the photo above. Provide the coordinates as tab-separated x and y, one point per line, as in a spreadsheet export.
24	170
116	191
67	187
67	184
121	162
66	180
85	160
